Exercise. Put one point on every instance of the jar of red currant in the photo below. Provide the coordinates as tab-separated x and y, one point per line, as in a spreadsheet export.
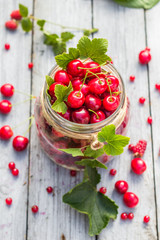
57	131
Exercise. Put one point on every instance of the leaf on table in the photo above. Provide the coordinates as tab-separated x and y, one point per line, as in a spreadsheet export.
88	32
41	23
59	47
23	10
26	24
75	152
93	163
63	59
66	36
146	4
50	39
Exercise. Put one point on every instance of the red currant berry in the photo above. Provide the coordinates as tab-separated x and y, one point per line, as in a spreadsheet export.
146	219
93	67
51	90
98	85
16	15
20	143
7	90
6	132
62	77
149	120
81	116
103	190
7	46
138	166
130	147
142	100
15	172
145	56
140	148
73	173
98	116
111	103
157	86
9	201
92	102
11	165
113	83
132	78
75	99
130	216
11	25
113	172
5	106
30	65
75	68
49	189
121	186
124	216
35	209
130	199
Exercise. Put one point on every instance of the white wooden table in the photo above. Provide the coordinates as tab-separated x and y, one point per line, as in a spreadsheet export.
128	32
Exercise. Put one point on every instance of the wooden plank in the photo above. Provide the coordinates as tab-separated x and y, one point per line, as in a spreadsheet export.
125	30
54	218
14	69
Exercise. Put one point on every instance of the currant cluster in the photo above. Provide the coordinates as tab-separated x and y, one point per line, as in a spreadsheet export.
138	149
95	94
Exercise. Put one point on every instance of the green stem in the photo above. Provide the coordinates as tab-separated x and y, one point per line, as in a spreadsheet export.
94	113
16	104
109	89
31	122
83	82
95	75
23	122
29	95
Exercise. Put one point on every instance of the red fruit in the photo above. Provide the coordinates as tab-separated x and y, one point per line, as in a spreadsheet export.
74	68
20	143
6	132
138	166
103	190
7	46
121	186
16	15
11	25
94	118
7	90
145	56
140	148
124	216
132	78
5	106
35	209
30	65
51	90
130	147
77	84
130	216
149	120
49	189
113	83
98	85
92	67
146	219
81	116
8	201
73	173
142	100
15	172
11	165
62	77
130	199
157	86
75	99
111	103
66	115
92	102
113	172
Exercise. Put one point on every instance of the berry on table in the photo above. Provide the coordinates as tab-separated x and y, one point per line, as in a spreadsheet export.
103	190
130	147
138	166
121	186
76	99
146	219
157	86
149	120
30	65
130	216
9	201
75	68
124	216
132	78
113	172
11	165
140	148
7	90
142	100
7	46
6	132
73	173
49	189
130	199
11	25
145	56
34	208
16	15
81	116
20	143
15	172
5	106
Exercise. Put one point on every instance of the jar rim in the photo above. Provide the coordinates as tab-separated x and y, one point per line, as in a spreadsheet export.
84	128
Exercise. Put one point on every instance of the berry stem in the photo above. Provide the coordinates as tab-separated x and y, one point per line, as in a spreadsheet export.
29	95
109	89
94	113
31	122
83	82
23	122
16	104
95	75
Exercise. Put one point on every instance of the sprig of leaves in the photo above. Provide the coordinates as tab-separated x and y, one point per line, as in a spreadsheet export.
146	4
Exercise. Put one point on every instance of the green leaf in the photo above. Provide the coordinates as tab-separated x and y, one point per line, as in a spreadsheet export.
50	39
26	24
66	36
41	23
95	49
63	59
115	143
59	47
23	10
59	107
146	4
93	163
48	93
49	80
73	151
88	32
89	152
85	198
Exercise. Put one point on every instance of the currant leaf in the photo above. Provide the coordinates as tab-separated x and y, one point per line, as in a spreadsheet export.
49	80
73	151
63	59
23	10
146	4
89	152
66	36
59	107
41	23
93	163
26	24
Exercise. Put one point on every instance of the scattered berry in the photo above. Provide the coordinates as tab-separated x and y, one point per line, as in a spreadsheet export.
73	173
30	65
146	219
130	199
7	46
142	100
35	209
140	148
103	190
138	166
124	216
49	189
157	86
9	201
145	56
130	216
15	172
11	25
11	165
132	78
6	132
130	147
5	106
113	172
7	90
149	120
16	15
121	186
20	143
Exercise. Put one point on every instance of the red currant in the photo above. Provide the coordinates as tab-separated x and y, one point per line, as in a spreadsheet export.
35	209
75	68
103	190
113	172
132	78
20	143
9	201
149	120
98	85
130	147
130	199
146	219
49	189
62	77
6	132
121	186
138	166
30	65
113	83
15	172
11	25
93	67
75	99
7	90
11	165
111	103
157	86
81	116
73	173
92	102
98	116
145	56
7	46
130	216
142	100
124	216
5	106
51	90
16	15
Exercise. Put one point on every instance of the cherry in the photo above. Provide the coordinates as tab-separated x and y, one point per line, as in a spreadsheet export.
130	147
15	172
30	65
75	99
6	132
145	56
121	186
113	172
113	83
35	209
92	102
20	143
62	77
138	166
132	78
73	173
103	190
81	116
130	199
66	115
51	90
5	106
7	46
7	90
98	85
74	68
92	67
146	219
11	165
9	201
98	116
49	189
130	216
16	15
124	216
111	103
142	100
77	85
149	120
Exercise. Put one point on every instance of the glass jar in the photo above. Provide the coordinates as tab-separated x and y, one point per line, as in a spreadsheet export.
55	132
